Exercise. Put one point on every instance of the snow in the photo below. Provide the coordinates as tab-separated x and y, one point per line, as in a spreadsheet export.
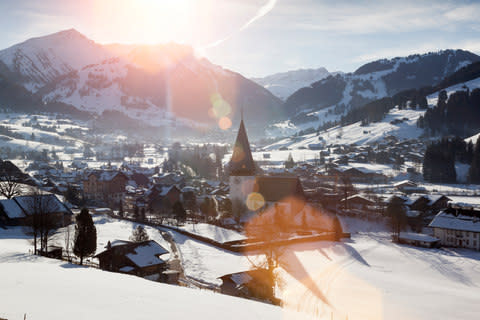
43	288
213	232
205	262
417	237
460	222
147	254
284	84
357	134
369	277
471	85
116	231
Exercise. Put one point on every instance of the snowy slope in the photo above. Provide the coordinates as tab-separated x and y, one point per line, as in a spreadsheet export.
163	85
378	79
471	85
358	134
42	60
284	84
42	288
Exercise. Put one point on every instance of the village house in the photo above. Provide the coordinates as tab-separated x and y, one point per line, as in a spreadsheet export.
161	198
17	210
105	186
458	227
256	284
138	258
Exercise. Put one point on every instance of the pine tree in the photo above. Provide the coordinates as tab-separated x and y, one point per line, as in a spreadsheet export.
289	163
398	217
139	234
179	212
85	236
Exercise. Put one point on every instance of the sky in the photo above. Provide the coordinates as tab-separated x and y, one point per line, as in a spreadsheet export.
259	37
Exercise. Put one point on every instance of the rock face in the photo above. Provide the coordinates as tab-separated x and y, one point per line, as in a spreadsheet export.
378	79
156	84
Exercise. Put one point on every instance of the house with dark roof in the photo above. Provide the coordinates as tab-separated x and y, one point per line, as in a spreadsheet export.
17	210
142	259
257	284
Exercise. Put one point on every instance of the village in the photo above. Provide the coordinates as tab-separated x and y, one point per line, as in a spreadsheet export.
246	207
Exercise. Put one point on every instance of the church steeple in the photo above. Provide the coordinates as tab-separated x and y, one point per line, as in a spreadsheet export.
242	163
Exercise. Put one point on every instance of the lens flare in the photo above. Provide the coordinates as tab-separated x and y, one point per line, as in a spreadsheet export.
225	123
255	201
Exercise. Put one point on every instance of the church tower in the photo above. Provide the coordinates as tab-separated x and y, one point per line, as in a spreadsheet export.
242	167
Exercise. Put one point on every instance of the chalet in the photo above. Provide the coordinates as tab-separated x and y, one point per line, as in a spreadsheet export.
138	258
161	198
418	239
357	202
17	210
458	227
248	284
105	186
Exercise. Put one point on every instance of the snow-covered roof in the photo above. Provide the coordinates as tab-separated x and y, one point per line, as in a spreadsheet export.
11	208
417	237
147	254
50	201
457	219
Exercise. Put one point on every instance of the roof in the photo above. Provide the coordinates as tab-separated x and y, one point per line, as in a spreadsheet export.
244	277
457	219
277	188
417	237
50	201
241	163
147	254
12	209
359	198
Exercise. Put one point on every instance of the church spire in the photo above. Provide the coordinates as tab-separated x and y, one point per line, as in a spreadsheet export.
242	163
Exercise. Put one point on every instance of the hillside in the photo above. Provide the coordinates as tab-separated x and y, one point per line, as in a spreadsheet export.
38	282
154	84
378	79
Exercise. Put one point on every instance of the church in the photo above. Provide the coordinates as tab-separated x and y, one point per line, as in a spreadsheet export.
258	191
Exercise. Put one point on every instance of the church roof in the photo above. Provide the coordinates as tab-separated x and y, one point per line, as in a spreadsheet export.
278	188
242	163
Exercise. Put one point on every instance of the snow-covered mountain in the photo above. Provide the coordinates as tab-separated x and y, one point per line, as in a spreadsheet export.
378	79
159	84
283	84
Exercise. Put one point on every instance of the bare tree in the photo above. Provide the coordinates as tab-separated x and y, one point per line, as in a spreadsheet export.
9	185
42	218
346	187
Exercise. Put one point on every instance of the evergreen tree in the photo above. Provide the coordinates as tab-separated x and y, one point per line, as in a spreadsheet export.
474	172
139	234
179	212
85	236
289	163
398	218
120	209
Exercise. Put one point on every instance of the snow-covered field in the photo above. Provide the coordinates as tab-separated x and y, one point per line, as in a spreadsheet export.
42	288
367	277
371	278
206	263
213	232
357	134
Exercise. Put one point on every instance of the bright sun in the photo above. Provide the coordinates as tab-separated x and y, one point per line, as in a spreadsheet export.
147	21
